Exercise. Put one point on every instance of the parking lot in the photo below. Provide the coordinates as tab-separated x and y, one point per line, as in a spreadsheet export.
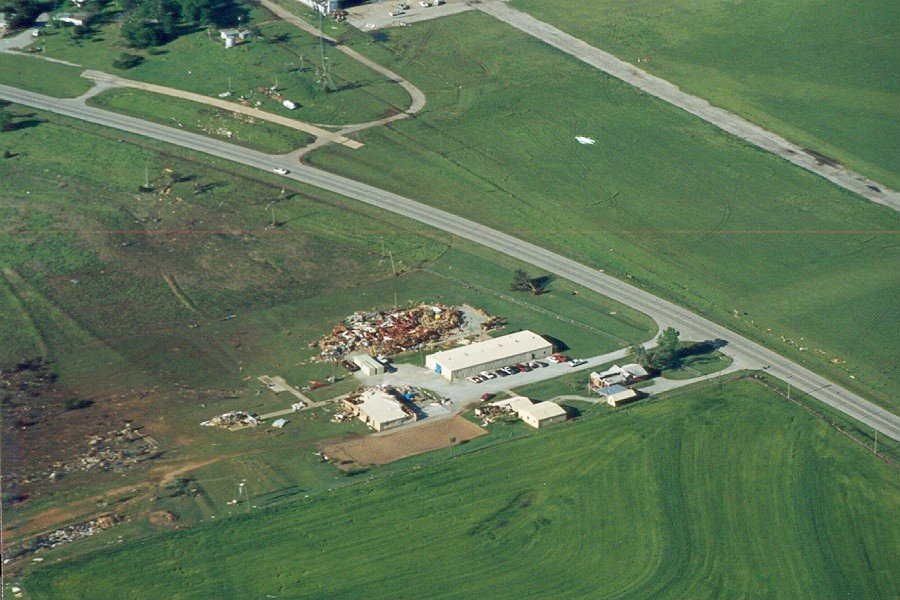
463	392
369	17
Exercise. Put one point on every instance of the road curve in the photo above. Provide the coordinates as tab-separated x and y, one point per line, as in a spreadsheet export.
664	312
668	92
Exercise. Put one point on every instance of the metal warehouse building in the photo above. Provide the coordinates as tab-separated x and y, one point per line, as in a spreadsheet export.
489	354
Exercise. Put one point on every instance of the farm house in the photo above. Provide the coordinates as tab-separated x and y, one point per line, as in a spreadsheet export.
490	354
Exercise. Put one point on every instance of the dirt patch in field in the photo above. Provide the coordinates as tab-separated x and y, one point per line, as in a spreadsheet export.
384	449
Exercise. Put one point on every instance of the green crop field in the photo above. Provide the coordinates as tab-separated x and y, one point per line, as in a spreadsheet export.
724	491
205	120
281	55
663	200
823	73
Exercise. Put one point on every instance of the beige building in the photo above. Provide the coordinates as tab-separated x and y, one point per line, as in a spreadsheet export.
379	410
616	395
462	362
368	365
537	415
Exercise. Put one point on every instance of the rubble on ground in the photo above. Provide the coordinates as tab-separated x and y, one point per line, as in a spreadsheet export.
391	332
237	419
69	534
116	451
490	413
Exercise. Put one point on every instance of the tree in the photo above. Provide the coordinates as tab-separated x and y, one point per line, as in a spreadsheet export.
523	283
6	119
127	61
668	350
639	355
139	33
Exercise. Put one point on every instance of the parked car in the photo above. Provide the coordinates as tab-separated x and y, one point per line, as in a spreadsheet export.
501	373
488	375
577	362
424	4
486	396
281	170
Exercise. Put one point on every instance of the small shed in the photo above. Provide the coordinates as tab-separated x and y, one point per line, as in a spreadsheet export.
368	365
616	395
279	423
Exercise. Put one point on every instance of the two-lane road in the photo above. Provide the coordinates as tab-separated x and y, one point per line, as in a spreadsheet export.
665	313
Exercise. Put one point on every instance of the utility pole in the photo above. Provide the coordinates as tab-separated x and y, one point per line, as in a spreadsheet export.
322	71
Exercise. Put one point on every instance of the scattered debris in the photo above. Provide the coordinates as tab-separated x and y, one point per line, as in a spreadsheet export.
232	421
585	140
391	332
68	534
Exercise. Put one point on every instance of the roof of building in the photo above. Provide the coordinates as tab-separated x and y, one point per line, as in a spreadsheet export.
614	389
490	350
279	423
365	359
635	370
381	406
546	410
516	403
613	370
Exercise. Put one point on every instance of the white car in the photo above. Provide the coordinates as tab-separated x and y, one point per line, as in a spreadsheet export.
281	170
395	13
577	362
424	4
488	375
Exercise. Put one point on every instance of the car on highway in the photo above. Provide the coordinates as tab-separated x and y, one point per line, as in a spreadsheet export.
281	170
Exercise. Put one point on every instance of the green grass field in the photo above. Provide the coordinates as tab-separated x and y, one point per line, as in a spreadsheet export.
825	74
281	54
44	77
87	255
205	120
662	200
725	491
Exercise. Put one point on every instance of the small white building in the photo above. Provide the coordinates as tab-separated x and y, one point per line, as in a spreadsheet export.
279	423
379	410
616	395
626	374
368	365
538	415
459	363
77	19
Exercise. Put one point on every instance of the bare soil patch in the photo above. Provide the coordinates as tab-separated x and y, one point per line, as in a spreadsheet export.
384	449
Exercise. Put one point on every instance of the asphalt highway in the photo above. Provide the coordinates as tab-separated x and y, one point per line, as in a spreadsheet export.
664	312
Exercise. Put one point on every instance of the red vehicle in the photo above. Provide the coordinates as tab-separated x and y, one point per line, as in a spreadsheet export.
486	396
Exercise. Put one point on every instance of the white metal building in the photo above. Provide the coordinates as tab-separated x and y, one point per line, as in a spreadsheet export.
368	365
490	354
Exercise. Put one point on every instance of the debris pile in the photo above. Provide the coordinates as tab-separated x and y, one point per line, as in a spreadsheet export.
118	450
391	332
492	413
70	533
232	421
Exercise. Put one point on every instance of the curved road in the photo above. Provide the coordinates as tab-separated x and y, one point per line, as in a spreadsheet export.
664	312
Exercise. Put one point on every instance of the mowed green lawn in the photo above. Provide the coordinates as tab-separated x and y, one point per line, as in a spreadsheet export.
205	120
662	200
724	492
281	55
42	76
823	73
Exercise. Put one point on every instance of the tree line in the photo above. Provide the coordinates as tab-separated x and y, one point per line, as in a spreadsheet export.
151	23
